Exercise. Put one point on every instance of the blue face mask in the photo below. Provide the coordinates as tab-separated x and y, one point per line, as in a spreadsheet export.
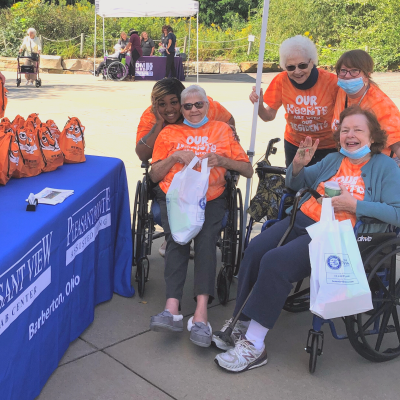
357	154
198	125
351	86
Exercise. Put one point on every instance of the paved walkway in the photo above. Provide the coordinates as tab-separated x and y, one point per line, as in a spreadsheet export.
117	357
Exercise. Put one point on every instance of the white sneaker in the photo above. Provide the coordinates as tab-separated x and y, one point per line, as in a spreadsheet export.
242	357
238	331
27	83
30	83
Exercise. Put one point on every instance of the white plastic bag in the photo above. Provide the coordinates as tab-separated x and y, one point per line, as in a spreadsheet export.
186	201
338	284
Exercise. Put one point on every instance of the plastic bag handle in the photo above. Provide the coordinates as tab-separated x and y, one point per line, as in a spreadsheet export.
327	211
204	165
192	163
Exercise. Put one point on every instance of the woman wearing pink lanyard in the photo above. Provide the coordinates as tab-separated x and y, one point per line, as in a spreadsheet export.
354	70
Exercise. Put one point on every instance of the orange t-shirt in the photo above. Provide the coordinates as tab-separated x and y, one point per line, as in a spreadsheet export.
375	100
213	137
308	112
216	112
348	175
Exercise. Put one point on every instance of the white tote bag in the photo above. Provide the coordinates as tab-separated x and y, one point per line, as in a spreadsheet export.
338	284
186	201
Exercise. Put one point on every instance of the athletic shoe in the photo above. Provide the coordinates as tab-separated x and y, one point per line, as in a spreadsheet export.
164	322
27	83
238	331
243	357
30	83
200	333
162	248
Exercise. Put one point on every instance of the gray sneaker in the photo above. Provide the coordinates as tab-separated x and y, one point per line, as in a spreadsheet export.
164	322
200	333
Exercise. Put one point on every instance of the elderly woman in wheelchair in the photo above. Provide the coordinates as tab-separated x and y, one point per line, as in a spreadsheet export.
370	187
175	147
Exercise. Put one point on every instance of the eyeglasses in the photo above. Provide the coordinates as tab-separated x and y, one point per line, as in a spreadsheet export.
189	106
299	66
353	72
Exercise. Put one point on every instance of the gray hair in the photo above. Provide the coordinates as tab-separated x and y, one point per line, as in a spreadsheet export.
193	90
297	44
33	30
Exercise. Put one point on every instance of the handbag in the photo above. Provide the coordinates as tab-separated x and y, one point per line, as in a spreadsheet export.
338	283
186	201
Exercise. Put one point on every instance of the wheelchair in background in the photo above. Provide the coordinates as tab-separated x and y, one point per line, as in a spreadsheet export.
146	215
114	69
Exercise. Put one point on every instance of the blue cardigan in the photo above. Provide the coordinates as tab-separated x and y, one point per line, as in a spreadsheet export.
381	177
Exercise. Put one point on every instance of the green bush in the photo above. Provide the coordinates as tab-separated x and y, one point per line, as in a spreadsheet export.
334	25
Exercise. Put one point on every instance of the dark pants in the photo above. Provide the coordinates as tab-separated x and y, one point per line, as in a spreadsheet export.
272	270
205	254
170	65
132	66
291	149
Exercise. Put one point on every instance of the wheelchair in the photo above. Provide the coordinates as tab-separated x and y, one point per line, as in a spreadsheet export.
114	70
375	334
146	217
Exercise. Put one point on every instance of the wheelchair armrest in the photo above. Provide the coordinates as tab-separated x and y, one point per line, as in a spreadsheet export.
369	220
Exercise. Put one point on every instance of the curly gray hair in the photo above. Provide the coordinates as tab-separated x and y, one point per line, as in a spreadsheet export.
193	90
297	44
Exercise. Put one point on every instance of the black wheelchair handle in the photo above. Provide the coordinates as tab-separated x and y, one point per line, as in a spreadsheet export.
145	164
270	148
271	170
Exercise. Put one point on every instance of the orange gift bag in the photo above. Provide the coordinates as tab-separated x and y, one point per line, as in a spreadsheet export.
72	142
53	129
52	154
9	153
31	154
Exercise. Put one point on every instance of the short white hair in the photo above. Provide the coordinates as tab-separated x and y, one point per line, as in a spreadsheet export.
33	30
297	44
193	90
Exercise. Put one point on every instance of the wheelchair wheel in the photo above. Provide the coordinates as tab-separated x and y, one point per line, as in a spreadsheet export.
224	281
376	335
135	221
315	343
18	82
299	301
142	274
116	71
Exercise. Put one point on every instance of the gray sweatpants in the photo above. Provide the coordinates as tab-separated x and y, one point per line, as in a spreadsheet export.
205	256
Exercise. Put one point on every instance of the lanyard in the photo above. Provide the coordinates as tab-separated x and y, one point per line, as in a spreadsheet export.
345	103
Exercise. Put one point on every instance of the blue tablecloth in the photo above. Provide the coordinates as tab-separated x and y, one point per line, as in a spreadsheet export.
56	264
154	68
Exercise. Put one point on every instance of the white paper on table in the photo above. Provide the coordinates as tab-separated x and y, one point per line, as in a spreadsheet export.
52	196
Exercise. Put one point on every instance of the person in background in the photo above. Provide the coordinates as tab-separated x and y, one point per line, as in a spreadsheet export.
164	41
170	50
30	44
123	41
136	52
354	69
307	94
147	44
115	55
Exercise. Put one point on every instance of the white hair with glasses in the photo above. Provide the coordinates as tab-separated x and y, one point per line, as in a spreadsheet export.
193	90
31	30
297	44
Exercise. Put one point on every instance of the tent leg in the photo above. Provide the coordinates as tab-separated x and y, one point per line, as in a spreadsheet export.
104	41
95	30
255	109
197	48
188	53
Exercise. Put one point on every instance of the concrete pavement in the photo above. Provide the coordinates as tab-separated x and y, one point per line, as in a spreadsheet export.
117	357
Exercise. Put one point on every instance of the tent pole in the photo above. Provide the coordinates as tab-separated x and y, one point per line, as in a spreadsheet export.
251	152
104	41
95	29
188	54
197	48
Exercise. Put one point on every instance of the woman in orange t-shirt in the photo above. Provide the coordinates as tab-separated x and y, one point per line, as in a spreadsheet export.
308	95
370	187
354	69
175	147
166	110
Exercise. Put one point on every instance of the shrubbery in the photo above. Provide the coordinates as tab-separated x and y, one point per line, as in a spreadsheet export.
334	25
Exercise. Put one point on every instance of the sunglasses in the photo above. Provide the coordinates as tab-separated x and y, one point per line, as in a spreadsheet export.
189	106
299	66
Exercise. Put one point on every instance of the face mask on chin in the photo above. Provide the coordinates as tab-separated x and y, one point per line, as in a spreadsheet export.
198	124
356	154
351	86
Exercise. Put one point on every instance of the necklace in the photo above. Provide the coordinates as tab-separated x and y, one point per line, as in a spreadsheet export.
345	104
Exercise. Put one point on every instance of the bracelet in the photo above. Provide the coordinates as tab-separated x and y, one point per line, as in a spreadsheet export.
141	140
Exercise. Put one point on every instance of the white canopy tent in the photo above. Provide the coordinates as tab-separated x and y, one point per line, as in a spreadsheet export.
147	8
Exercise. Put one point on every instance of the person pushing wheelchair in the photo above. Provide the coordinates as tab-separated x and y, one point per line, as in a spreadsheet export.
175	147
370	186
